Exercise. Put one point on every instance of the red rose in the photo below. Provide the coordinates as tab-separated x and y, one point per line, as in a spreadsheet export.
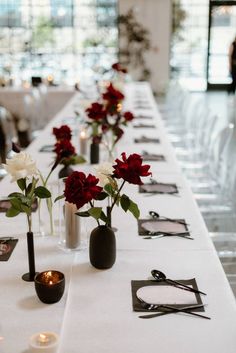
128	116
62	133
117	67
96	112
80	189
131	169
64	149
113	95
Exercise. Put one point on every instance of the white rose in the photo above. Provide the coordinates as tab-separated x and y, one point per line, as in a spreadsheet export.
102	171
21	166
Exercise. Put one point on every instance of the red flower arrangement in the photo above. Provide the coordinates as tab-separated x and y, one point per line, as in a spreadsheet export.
112	97
81	189
96	112
62	133
102	121
65	151
131	169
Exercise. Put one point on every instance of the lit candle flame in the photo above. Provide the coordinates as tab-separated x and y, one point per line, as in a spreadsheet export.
43	339
83	134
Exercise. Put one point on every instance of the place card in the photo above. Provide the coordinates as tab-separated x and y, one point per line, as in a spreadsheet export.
160	226
6	248
159	188
161	293
144	139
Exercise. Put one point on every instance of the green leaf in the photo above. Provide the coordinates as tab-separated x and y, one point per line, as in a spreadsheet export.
83	214
59	198
109	189
12	212
16	194
102	196
29	188
95	212
16	203
22	184
79	159
26	209
103	217
42	192
133	208
125	202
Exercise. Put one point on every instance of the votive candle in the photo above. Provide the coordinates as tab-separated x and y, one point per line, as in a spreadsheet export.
44	342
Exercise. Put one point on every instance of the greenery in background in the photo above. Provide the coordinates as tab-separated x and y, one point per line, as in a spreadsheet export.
135	41
42	35
179	16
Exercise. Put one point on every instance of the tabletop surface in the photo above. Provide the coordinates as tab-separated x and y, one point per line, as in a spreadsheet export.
95	313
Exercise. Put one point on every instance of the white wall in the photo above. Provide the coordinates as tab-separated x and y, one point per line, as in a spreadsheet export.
155	15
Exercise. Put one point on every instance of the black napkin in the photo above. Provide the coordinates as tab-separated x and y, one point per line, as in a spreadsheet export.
158	188
47	148
7	248
152	157
144	139
165	226
144	126
135	285
146	117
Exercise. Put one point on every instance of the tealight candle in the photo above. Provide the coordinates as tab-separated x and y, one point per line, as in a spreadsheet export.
83	142
49	286
44	342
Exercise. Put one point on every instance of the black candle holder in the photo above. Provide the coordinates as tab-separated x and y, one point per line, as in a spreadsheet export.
50	286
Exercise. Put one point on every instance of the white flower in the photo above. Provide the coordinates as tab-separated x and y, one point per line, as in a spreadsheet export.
102	171
20	166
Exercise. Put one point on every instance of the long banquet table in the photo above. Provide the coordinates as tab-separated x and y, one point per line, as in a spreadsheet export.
95	313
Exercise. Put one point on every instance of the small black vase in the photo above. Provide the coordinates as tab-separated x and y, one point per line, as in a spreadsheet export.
94	153
29	276
102	247
65	172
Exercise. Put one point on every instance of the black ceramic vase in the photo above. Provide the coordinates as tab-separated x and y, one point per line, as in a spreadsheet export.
65	172
102	247
94	153
29	277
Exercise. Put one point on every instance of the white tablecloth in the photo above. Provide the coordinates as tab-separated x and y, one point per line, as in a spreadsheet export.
97	305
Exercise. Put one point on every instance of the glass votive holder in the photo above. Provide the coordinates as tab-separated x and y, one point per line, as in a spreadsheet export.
49	286
44	342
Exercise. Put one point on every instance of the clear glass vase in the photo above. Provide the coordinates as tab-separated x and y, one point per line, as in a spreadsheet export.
47	210
72	228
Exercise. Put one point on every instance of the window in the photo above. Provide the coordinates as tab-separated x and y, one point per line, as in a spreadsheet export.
63	38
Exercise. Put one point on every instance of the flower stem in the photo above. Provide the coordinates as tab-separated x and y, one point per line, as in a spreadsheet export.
29	219
90	202
115	199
